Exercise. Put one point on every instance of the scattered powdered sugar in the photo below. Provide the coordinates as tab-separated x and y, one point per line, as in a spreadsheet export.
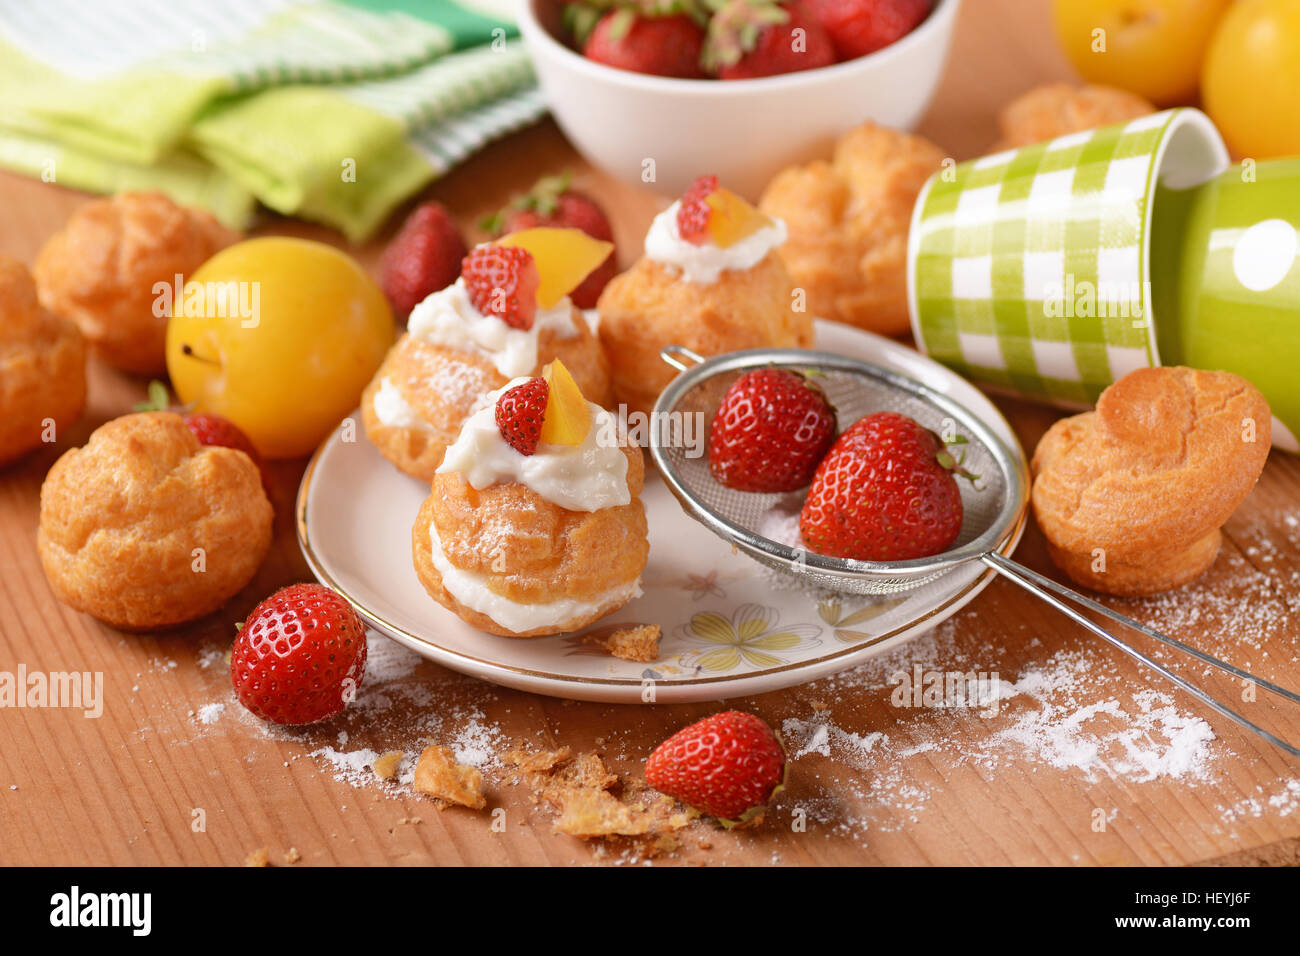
211	713
1143	742
400	708
386	660
1069	712
476	742
212	655
471	737
350	766
1250	614
1284	802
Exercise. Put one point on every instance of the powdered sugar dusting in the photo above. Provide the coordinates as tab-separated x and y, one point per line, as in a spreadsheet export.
1069	712
463	384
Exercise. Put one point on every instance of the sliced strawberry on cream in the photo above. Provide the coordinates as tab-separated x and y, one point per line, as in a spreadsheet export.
711	230
584	473
484	310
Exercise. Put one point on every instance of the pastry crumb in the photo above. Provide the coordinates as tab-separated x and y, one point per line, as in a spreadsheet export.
439	775
539	761
593	803
586	812
259	857
385	767
292	855
636	642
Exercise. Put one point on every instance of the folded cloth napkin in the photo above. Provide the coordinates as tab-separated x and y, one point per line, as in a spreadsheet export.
329	110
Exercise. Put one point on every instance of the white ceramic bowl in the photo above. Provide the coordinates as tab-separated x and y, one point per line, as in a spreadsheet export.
742	130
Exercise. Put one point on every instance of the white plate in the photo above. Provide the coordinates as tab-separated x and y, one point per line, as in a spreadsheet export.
730	627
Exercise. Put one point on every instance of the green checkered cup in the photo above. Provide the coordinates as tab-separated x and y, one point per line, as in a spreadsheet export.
1031	270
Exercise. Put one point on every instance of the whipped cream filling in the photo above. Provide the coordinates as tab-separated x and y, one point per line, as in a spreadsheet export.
705	263
471	589
448	318
395	411
585	477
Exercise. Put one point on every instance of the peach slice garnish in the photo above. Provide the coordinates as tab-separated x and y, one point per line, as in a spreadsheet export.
568	416
732	219
564	258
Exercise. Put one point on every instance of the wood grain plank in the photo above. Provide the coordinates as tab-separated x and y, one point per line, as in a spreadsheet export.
123	789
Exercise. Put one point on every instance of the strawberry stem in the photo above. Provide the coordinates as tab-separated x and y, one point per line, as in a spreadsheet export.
159	399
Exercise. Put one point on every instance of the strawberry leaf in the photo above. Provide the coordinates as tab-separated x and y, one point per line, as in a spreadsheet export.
493	224
621	23
735	28
580	19
159	399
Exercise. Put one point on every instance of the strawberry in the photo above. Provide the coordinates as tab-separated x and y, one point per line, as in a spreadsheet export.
519	414
423	257
300	656
884	492
770	432
208	429
503	281
753	38
552	203
693	213
859	27
658	45
729	766
215	430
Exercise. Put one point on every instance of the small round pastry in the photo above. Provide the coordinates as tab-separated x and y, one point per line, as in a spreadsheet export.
42	366
848	221
529	545
722	288
104	268
146	528
1131	497
1057	109
454	354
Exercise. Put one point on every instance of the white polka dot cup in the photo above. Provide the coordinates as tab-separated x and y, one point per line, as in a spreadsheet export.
1227	281
1034	269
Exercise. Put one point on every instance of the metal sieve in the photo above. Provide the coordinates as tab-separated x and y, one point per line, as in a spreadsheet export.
992	509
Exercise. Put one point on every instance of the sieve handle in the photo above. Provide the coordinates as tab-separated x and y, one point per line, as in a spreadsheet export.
678	356
1053	593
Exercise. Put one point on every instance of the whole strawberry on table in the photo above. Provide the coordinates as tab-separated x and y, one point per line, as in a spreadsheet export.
735	39
300	656
729	766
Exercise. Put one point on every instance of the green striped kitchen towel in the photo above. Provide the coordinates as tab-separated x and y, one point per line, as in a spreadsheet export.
330	110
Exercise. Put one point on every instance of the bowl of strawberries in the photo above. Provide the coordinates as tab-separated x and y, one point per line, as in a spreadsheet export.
653	91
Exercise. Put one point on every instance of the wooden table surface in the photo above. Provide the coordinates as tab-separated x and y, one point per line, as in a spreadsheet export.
173	748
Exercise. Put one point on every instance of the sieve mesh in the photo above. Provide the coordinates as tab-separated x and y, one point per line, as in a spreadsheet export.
991	508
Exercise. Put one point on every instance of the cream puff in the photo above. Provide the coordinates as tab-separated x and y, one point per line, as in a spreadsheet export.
848	220
710	280
454	353
534	525
103	268
1057	109
1131	497
42	367
146	528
